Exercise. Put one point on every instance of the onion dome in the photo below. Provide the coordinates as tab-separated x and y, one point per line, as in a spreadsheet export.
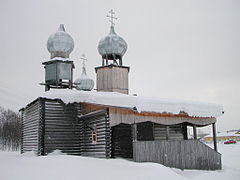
60	44
112	45
84	83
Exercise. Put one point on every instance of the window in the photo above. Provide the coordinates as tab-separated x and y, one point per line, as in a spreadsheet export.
94	137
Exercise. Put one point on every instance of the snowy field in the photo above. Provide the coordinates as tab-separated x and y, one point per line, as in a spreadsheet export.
57	166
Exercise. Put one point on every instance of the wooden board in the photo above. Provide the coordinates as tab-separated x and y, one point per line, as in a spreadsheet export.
183	154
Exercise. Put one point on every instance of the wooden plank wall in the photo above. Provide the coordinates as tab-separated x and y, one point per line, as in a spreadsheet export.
127	116
97	121
62	128
31	128
183	154
112	79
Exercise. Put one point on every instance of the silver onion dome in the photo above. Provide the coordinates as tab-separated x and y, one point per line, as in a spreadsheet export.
112	44
60	44
84	83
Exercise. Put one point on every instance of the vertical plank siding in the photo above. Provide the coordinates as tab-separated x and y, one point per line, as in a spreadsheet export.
183	154
30	128
62	130
112	79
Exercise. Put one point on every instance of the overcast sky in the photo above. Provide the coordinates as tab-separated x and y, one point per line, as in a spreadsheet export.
180	49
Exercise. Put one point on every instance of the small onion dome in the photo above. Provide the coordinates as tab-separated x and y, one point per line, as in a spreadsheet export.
112	45
84	83
60	44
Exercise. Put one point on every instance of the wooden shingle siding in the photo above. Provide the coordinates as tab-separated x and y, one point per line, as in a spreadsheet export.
62	129
30	128
183	154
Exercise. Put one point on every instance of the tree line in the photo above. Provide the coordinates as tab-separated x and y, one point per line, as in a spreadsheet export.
10	130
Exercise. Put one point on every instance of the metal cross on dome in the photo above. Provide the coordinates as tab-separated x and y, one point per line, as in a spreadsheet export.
111	17
83	58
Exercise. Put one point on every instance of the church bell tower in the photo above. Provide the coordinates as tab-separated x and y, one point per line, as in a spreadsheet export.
112	76
59	69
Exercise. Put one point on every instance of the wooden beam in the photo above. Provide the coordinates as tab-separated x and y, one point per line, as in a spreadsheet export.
22	132
194	131
42	127
71	80
134	130
134	138
185	131
214	136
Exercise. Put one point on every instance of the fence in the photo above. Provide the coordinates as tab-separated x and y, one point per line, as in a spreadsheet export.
183	154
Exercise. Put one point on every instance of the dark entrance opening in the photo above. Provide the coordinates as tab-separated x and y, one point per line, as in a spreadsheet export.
145	131
122	141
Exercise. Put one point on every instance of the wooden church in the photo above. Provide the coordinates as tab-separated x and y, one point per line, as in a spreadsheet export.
108	122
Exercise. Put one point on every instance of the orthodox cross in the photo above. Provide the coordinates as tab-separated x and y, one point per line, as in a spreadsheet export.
83	58
111	17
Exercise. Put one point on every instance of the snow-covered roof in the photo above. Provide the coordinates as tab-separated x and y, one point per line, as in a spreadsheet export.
141	104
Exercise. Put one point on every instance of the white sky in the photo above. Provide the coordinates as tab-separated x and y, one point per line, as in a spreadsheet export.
180	49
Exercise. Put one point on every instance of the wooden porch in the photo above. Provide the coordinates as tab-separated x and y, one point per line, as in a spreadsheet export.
182	154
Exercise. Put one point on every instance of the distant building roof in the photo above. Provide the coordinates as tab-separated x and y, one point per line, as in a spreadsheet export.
225	134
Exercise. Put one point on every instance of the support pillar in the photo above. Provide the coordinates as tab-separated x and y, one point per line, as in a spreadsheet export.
134	130
185	131
102	61
120	61
214	136
134	138
194	132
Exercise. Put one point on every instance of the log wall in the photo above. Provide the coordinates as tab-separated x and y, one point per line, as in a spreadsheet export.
31	128
62	129
176	132
96	122
50	125
183	154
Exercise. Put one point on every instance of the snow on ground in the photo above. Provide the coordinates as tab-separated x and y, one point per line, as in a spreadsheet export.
57	166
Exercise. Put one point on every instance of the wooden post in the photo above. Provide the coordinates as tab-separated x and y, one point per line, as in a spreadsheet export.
134	137
134	129
185	131
22	111
102	61
167	132
194	132
71	81
120	61
106	59
214	136
42	128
